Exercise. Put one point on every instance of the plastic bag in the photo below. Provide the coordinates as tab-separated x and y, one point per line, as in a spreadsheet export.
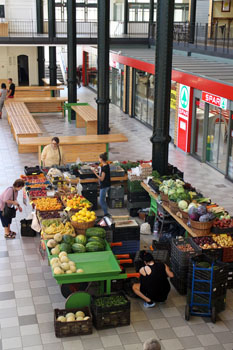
79	188
145	229
35	223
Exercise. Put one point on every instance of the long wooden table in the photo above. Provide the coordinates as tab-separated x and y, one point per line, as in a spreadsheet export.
85	147
93	180
41	104
179	220
86	117
37	91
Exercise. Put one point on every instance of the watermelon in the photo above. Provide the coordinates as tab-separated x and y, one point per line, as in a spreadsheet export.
65	247
78	248
81	239
96	231
68	239
96	239
94	247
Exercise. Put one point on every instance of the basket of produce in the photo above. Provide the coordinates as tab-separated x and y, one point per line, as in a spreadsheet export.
37	193
225	241
110	311
173	206
209	247
72	322
201	220
47	204
182	249
224	224
76	202
164	197
82	220
56	227
42	215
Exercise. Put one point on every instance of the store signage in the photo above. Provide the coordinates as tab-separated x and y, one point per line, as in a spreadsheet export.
184	101
215	100
183	117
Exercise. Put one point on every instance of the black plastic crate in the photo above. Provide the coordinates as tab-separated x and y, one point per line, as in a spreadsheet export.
179	270
115	203
125	233
116	192
179	284
219	302
92	186
26	230
138	205
112	316
36	170
229	275
128	247
215	254
89	193
183	257
159	255
133	211
138	196
162	246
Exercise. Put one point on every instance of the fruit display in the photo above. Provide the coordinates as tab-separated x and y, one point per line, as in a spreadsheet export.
84	215
96	231
41	186
71	317
223	223
45	204
58	227
34	179
206	242
38	193
223	240
63	265
76	202
185	247
49	215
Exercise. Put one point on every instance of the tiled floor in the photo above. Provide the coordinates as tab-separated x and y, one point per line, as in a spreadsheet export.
28	292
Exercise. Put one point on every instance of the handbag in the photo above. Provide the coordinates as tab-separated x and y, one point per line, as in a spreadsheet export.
9	212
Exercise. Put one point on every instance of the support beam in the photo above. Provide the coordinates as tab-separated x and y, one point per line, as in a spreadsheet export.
52	49
71	46
41	64
39	16
126	17
103	67
192	20
163	65
52	19
151	22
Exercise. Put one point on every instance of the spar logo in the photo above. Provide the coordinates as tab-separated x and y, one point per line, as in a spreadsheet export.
184	97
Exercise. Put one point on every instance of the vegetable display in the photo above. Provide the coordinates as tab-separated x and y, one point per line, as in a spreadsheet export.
110	301
63	265
223	240
59	227
71	317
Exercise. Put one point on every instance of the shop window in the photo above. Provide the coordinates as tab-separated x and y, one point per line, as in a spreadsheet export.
132	15
80	15
146	15
92	14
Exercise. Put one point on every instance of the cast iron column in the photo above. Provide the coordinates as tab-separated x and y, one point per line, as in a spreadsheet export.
163	67
71	46
40	49
126	16
52	49
103	67
151	22
192	21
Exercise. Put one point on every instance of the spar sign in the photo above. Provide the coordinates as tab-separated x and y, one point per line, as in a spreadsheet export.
215	100
184	101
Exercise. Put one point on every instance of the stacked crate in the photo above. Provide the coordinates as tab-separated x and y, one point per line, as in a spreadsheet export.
180	262
219	283
129	236
90	192
115	197
137	197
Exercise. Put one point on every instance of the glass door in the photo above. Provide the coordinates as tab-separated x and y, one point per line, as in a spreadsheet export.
230	159
217	136
198	135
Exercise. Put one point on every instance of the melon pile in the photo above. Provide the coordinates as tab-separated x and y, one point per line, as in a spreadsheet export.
71	317
63	265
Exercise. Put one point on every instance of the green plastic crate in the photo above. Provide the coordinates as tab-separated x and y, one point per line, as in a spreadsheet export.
135	186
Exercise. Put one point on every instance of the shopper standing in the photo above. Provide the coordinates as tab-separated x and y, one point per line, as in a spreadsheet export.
9	203
11	91
105	181
3	93
52	154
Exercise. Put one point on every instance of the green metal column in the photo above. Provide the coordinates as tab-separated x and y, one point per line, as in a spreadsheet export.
71	46
103	67
40	49
151	20
52	49
126	16
163	66
192	22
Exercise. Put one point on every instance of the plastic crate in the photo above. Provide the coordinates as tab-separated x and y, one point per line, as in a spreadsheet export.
219	302
36	170
116	192
159	255
138	205
179	270
26	230
126	234
133	211
115	203
92	186
75	328
227	255
229	275
135	186
138	196
215	254
161	246
113	316
179	284
180	256
127	247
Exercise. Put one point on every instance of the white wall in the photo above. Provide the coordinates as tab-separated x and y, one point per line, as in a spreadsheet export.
20	10
8	63
202	11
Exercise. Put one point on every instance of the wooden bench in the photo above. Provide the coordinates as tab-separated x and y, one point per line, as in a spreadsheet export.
86	117
37	91
85	147
42	104
21	122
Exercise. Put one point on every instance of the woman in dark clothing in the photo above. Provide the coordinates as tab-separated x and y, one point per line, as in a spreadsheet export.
105	180
154	285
